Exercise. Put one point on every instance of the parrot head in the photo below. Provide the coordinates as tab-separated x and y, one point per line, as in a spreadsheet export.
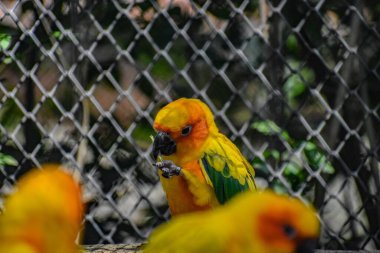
44	214
182	127
282	224
259	222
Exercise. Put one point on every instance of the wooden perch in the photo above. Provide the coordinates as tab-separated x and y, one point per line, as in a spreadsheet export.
113	248
132	248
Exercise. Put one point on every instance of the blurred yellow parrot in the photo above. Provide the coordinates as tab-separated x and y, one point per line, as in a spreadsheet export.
253	222
202	168
44	215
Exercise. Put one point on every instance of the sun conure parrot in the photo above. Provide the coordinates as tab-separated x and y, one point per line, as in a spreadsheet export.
253	222
44	214
202	168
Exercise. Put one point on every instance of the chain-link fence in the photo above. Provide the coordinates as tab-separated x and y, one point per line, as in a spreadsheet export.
294	83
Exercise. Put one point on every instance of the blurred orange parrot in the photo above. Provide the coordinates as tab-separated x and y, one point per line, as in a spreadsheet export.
202	168
253	222
44	215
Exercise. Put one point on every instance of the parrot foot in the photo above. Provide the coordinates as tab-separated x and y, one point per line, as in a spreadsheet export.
168	168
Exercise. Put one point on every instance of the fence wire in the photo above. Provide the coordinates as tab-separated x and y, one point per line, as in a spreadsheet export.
294	83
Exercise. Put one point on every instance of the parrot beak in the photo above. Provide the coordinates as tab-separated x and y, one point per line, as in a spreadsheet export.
306	245
163	144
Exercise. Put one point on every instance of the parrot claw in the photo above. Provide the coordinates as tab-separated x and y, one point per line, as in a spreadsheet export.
168	168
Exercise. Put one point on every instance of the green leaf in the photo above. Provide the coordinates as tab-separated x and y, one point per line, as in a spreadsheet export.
292	169
317	159
279	188
259	164
10	114
308	75
57	34
312	153
297	82
5	41
292	43
272	153
143	135
7	60
328	169
7	160
294	87
295	175
268	127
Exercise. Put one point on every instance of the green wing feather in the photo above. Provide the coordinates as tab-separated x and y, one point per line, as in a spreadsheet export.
227	170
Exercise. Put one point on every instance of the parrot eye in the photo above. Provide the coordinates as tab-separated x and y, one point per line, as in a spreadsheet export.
186	130
289	231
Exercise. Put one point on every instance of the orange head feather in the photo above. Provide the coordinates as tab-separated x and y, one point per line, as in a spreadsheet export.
188	122
285	222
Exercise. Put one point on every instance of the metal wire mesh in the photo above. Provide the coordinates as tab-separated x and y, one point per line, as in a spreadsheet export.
294	83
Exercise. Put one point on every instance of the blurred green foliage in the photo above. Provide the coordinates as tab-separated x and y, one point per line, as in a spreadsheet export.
290	161
7	160
10	114
5	41
297	82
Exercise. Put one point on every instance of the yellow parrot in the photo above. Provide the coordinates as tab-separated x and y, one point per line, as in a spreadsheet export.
44	215
253	222
202	168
